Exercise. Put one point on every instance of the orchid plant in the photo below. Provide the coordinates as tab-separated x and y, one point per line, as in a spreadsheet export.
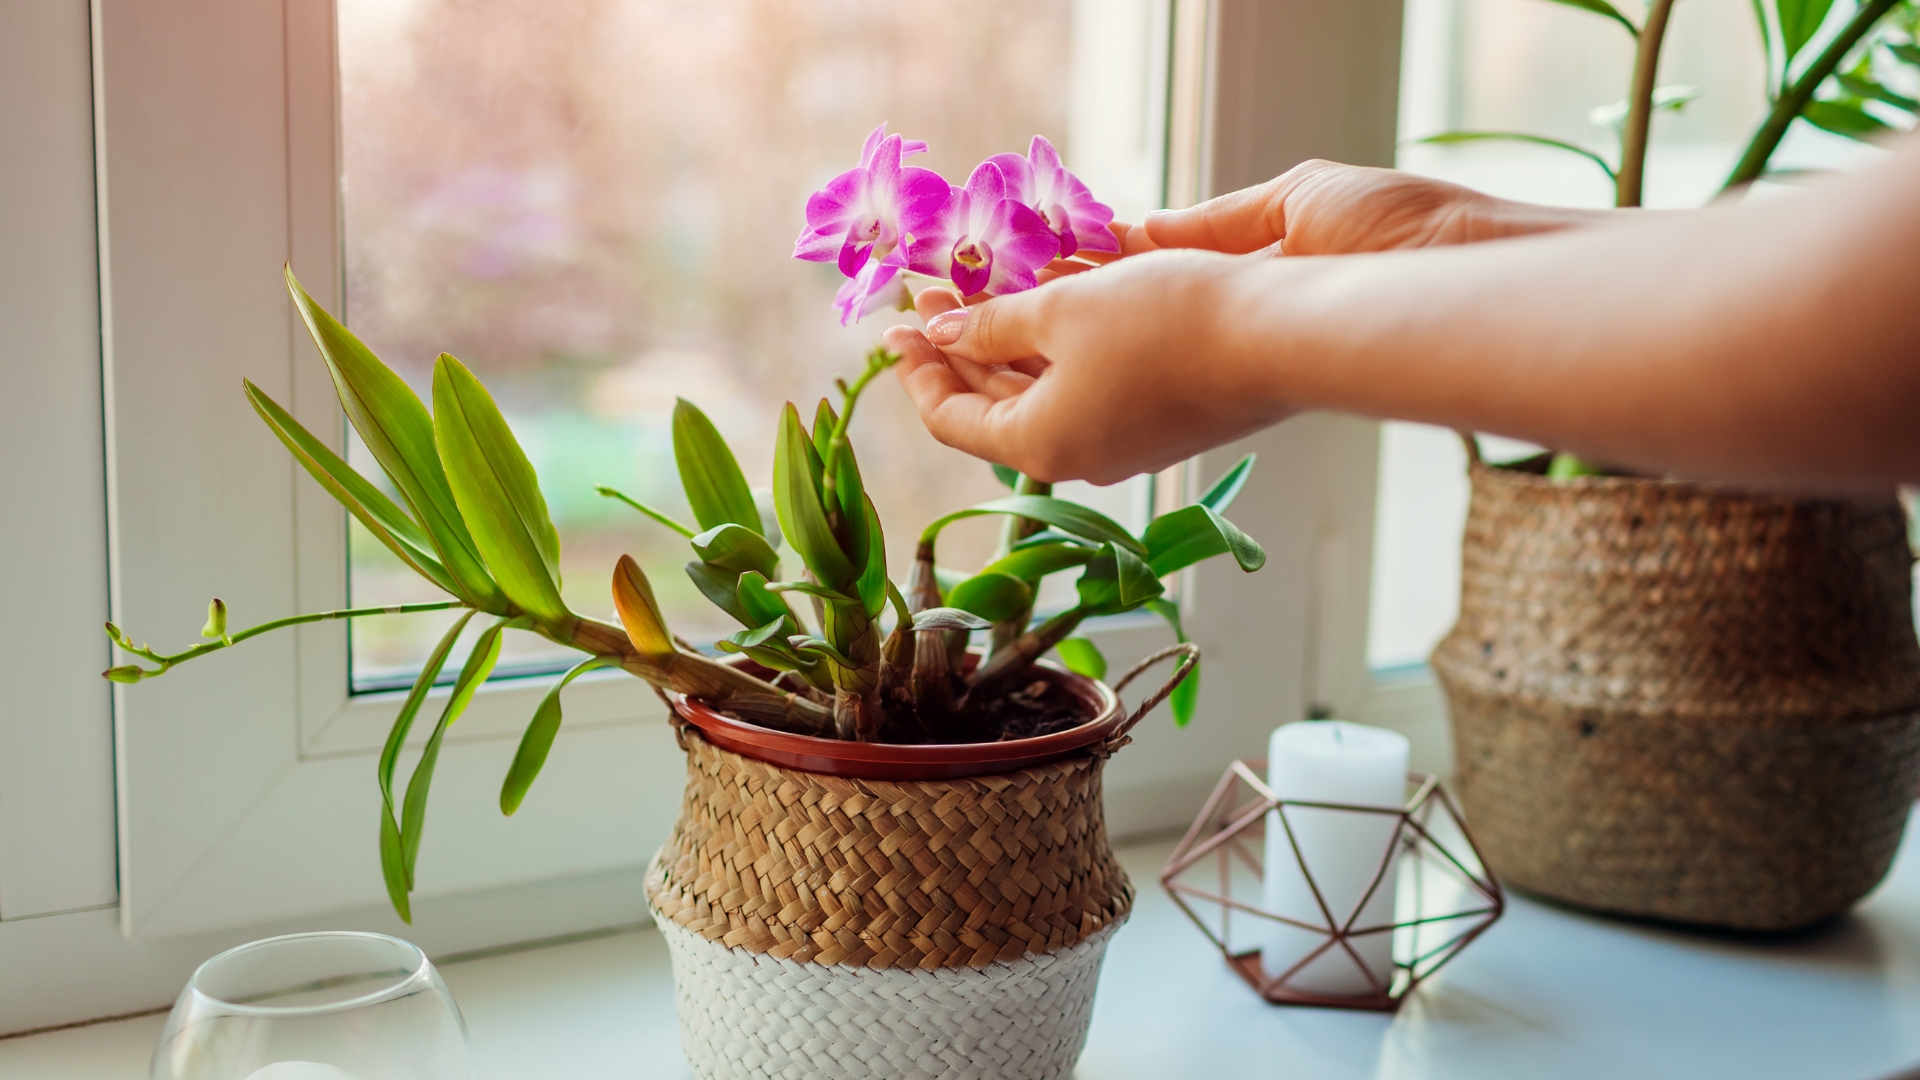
836	648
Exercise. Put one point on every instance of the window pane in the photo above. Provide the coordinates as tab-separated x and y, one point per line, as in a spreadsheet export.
1543	68
593	205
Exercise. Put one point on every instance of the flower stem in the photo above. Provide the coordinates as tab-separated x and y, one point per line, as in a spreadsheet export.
168	660
878	361
1633	140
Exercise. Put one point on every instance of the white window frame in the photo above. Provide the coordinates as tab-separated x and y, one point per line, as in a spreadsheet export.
241	782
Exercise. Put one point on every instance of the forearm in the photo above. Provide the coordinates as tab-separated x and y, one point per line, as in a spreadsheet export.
1767	343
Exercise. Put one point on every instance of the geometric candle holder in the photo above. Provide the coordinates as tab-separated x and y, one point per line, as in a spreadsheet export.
1444	896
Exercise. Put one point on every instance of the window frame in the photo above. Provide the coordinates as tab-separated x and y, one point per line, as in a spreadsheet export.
240	781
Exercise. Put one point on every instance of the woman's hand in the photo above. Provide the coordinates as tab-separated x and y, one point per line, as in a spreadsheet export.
1091	377
1323	208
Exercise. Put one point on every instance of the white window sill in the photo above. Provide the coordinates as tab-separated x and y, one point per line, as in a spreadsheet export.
1545	993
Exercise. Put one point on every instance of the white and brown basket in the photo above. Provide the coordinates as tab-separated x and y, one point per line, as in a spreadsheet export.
837	926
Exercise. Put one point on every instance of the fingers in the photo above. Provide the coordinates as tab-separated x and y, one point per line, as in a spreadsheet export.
1133	241
996	331
1235	223
956	415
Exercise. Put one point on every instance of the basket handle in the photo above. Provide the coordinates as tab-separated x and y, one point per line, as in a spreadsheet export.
1473	448
1189	654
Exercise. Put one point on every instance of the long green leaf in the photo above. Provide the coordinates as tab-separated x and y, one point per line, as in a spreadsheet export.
1447	138
721	587
1117	580
1185	698
873	583
1224	490
1905	52
1799	21
382	517
413	812
537	743
824	421
1059	513
742	640
993	596
1601	7
1031	563
399	432
1192	533
1868	88
716	489
796	495
1082	657
948	618
1007	476
497	492
737	548
1844	119
757	602
393	865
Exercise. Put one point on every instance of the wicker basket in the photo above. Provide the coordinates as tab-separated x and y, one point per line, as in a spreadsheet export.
837	927
1682	701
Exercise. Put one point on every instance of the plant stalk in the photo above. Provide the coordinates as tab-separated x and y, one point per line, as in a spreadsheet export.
1633	139
1029	647
1796	95
168	660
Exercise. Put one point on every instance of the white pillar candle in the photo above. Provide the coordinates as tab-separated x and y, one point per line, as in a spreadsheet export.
1334	762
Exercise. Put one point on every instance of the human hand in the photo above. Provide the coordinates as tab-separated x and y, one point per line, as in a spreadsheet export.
1324	208
1094	376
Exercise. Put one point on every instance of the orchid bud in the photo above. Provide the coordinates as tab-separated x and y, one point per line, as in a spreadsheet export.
216	619
129	673
113	632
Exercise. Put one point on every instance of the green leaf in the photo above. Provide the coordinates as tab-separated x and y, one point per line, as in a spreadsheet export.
720	586
769	517
758	602
736	548
1082	657
824	421
1845	119
1906	52
1050	536
807	587
1192	533
993	596
1799	21
1224	490
716	489
1117	580
825	649
873	583
399	432
796	495
1867	88
947	618
497	491
538	740
1601	7
393	865
1007	476
413	811
1031	563
1448	138
850	495
1185	697
1059	513
660	516
382	517
743	640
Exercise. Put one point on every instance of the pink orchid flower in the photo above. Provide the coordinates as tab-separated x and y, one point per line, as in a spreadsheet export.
876	286
981	240
1070	210
856	217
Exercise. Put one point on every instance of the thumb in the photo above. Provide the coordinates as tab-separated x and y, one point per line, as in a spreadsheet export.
997	331
1234	223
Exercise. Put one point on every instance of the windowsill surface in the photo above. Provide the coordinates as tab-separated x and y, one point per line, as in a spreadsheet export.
1545	993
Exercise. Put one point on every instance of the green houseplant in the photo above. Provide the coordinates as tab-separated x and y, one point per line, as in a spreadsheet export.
1682	700
872	807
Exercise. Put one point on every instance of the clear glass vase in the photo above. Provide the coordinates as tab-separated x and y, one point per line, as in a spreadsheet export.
326	1006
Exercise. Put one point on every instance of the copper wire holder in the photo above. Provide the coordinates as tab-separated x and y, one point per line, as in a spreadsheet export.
1427	936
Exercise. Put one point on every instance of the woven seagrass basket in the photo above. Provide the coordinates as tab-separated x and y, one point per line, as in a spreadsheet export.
1682	701
834	926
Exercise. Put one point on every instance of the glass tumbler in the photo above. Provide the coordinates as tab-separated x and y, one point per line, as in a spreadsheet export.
327	1006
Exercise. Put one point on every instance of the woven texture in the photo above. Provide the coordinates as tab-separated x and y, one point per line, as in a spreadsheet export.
750	1016
1681	701
867	873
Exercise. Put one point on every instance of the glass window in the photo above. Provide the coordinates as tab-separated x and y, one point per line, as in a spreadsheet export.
593	205
1547	69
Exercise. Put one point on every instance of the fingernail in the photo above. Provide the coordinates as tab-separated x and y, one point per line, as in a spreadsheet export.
944	328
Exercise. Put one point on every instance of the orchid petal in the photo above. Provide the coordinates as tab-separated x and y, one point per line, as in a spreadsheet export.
867	293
